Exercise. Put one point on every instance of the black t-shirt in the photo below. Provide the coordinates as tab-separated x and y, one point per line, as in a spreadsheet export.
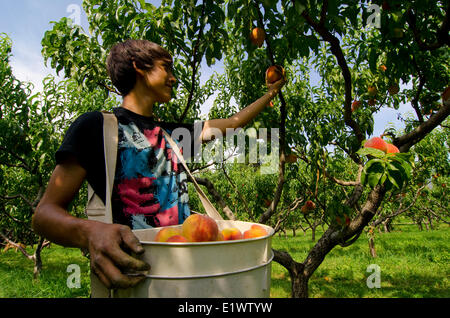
150	186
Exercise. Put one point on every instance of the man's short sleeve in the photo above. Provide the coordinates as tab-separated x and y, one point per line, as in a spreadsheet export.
84	141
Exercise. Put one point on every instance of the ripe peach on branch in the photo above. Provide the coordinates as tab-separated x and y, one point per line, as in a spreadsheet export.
355	105
392	148
310	205
305	209
377	143
257	36
393	89
372	90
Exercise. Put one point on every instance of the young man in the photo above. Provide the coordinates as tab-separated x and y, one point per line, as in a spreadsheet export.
150	187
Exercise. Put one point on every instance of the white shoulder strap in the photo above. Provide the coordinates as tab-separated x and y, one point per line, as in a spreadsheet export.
95	209
209	208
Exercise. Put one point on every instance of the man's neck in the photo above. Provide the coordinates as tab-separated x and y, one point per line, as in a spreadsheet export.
138	103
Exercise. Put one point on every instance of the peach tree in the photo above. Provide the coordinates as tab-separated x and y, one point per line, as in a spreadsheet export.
337	54
32	125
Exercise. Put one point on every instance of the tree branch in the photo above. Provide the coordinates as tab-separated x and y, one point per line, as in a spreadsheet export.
338	53
346	183
108	88
24	164
194	65
323	13
18	246
442	34
405	142
17	196
400	211
13	218
436	215
292	207
352	155
415	101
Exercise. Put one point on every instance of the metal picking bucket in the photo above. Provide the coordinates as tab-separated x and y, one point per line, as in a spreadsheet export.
234	269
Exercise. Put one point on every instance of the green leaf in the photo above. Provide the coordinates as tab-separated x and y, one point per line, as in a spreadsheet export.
395	179
371	152
363	178
372	162
374	179
402	165
373	172
383	178
373	58
392	166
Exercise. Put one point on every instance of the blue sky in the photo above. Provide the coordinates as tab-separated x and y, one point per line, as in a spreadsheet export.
25	22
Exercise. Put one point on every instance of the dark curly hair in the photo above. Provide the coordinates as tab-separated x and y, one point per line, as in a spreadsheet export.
119	63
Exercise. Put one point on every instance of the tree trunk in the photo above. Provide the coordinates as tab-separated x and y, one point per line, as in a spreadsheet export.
299	282
372	247
37	258
301	272
419	224
386	226
300	286
429	222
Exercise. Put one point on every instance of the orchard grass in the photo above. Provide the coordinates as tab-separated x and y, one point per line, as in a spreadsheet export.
413	264
16	274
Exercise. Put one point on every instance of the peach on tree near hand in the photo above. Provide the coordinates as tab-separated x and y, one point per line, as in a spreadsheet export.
274	73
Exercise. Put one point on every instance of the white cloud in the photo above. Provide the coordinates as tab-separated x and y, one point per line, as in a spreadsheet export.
28	65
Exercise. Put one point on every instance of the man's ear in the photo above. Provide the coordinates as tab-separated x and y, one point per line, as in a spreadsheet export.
138	70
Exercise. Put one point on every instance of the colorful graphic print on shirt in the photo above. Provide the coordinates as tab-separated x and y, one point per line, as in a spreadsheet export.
150	188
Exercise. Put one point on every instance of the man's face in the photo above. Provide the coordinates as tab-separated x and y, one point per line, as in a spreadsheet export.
160	80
